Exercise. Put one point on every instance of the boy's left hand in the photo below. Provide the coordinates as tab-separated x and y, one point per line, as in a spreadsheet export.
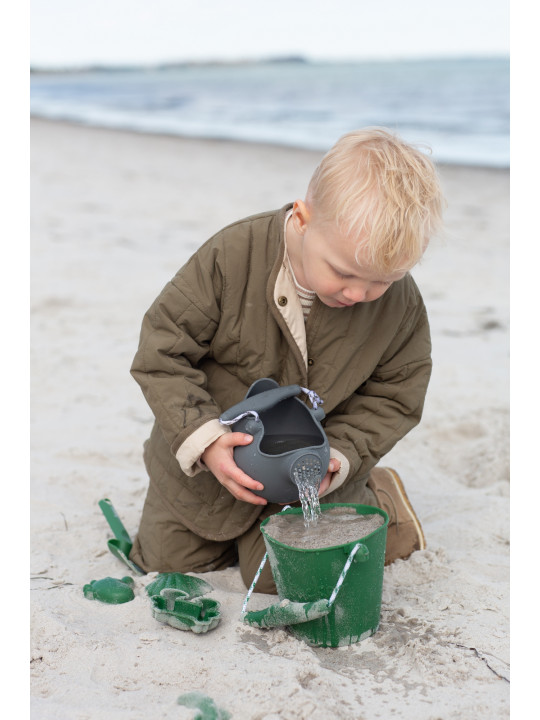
333	466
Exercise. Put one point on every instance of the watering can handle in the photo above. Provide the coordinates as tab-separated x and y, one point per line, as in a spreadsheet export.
293	613
261	401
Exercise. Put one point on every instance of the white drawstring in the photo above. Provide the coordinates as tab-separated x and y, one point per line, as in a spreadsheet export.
259	571
343	574
239	417
314	399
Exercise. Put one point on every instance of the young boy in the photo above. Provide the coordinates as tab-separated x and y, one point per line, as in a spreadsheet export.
316	294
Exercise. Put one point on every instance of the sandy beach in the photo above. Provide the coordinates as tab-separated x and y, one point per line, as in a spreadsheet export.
114	215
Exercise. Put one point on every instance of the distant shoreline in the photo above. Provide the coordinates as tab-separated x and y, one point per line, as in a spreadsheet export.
37	69
253	143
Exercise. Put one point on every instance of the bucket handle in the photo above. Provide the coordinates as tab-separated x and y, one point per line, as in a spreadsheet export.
287	612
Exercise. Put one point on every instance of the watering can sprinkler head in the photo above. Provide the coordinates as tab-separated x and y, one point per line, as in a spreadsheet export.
289	444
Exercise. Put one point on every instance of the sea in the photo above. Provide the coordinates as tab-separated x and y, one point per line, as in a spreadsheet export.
459	109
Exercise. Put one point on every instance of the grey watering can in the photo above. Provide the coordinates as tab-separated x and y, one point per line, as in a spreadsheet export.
288	439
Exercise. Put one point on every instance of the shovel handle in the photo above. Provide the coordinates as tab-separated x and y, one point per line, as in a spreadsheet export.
119	531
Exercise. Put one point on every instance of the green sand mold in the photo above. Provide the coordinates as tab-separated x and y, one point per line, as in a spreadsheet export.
287	613
172	608
192	587
208	710
110	590
176	601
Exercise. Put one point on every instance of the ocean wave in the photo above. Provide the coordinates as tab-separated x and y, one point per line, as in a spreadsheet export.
459	108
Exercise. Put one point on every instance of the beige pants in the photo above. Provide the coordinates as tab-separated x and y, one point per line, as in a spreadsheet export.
165	545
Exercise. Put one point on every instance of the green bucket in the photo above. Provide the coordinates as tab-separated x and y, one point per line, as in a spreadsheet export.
340	586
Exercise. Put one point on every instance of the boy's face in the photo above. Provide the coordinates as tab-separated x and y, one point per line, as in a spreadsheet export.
326	264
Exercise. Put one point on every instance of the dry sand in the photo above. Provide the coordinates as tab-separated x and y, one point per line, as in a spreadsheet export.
114	215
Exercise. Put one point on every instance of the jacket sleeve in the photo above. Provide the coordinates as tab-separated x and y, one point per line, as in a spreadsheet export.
389	403
176	336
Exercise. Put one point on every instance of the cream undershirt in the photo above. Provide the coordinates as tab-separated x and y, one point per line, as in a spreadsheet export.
306	297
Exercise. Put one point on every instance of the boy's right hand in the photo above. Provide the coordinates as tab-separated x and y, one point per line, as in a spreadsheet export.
218	458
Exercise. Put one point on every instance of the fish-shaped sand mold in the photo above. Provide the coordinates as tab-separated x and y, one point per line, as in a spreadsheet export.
172	608
176	601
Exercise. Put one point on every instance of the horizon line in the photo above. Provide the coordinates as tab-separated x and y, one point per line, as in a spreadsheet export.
40	67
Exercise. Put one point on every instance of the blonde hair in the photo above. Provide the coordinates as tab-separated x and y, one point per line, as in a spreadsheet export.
373	184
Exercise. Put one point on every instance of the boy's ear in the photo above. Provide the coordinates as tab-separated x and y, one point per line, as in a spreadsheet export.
301	216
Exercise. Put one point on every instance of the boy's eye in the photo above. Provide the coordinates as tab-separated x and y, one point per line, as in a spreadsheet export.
344	276
341	275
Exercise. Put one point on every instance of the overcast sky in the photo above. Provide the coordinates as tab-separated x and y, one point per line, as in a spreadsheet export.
72	32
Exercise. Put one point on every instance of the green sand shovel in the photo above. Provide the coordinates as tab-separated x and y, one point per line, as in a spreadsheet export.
122	544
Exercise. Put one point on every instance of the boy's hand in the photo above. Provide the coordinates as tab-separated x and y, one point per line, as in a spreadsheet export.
333	466
218	458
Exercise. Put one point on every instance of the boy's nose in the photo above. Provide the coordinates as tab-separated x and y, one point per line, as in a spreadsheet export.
356	293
